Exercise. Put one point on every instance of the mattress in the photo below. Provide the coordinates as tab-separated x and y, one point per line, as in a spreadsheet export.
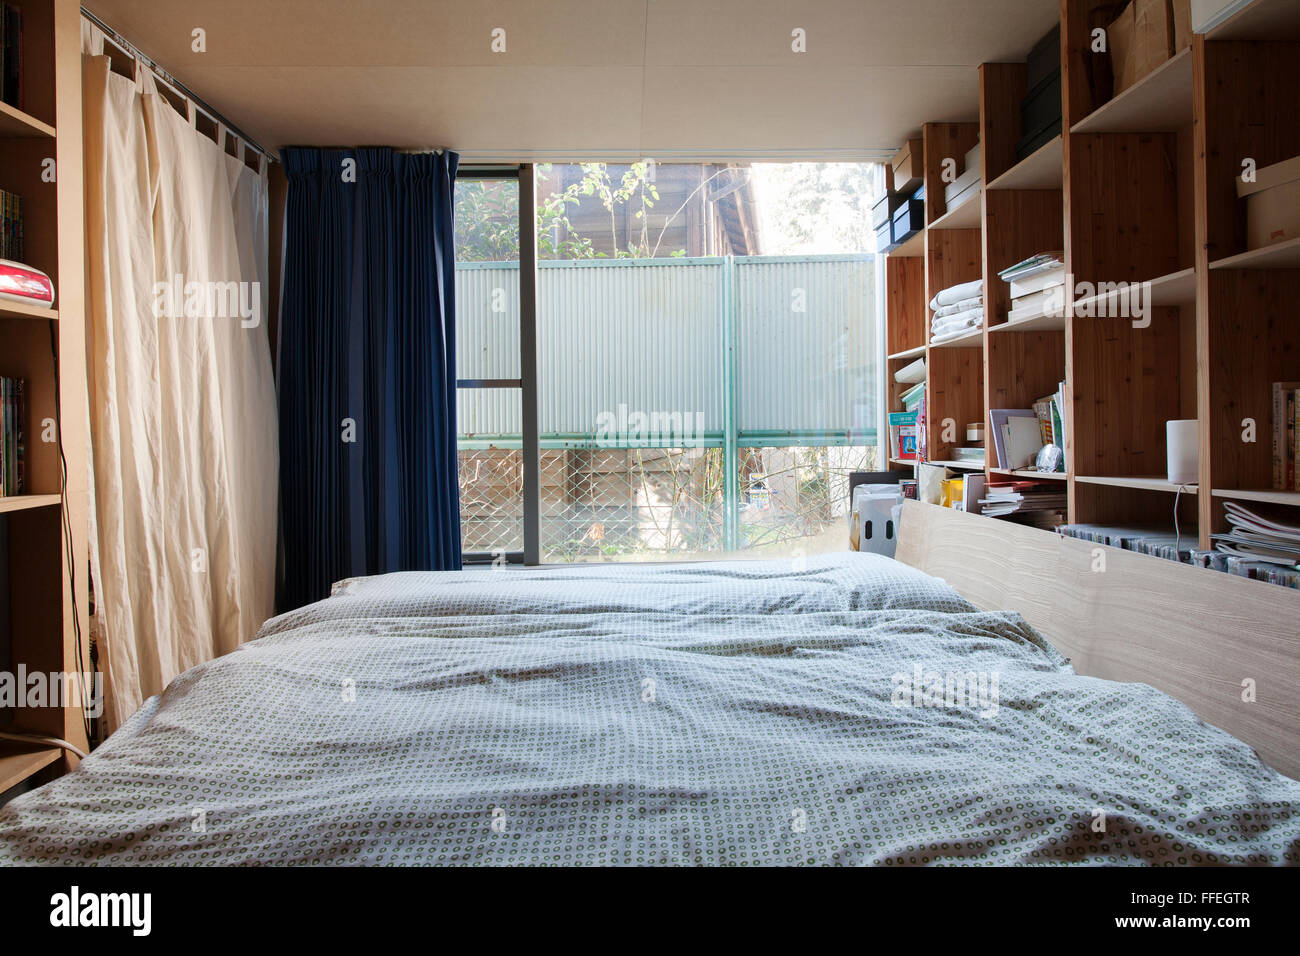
836	710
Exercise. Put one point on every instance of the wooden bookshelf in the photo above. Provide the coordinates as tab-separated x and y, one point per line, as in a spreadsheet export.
1140	188
46	617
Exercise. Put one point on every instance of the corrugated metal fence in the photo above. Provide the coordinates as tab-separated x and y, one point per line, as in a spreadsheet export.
653	335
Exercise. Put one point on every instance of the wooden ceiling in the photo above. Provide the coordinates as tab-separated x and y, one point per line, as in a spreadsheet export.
614	79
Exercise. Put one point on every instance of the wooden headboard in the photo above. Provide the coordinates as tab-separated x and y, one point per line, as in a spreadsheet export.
1195	634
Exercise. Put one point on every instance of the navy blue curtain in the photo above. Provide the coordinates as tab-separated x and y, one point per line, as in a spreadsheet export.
367	369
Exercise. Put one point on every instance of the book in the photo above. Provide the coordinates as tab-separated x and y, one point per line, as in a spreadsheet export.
11	55
1034	265
1284	435
1295	439
997	418
1046	279
1022	439
1043	409
1036	303
903	435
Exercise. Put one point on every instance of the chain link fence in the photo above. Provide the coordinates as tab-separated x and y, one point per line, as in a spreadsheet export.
627	504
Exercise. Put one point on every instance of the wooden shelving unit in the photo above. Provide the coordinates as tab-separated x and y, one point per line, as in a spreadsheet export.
18	763
1141	188
45	616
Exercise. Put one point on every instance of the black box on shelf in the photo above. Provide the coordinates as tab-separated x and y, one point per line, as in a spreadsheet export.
883	209
909	219
1044	58
885	237
1040	115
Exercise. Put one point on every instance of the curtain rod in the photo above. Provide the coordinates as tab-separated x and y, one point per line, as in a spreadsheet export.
176	85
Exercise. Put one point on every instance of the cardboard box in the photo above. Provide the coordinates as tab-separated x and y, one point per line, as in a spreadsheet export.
1140	39
908	166
1272	203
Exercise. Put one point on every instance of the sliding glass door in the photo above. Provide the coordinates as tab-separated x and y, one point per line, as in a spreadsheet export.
496	364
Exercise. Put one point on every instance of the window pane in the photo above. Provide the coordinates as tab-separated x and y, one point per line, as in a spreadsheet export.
795	500
491	470
648	274
487	279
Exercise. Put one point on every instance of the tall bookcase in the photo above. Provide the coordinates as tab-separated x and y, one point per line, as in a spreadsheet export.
46	526
1139	188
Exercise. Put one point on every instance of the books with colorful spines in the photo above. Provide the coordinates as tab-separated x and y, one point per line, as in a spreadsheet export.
20	436
922	442
1284	435
1043	409
902	435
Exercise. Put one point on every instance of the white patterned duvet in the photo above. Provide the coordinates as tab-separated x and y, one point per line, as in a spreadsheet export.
842	710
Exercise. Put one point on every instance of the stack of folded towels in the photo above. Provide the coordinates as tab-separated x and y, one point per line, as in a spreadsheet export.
957	310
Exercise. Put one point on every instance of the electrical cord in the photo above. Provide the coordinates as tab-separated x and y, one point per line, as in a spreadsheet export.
69	549
47	741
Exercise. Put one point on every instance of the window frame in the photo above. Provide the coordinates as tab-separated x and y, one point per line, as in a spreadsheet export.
523	173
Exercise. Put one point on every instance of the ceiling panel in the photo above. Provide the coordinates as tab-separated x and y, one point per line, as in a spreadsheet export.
583	79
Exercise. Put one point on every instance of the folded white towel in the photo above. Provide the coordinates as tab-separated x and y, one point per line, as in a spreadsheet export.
954	294
954	334
962	306
962	320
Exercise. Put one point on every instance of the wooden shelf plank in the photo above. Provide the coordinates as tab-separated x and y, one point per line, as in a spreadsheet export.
1177	288
902	461
909	353
912	249
1160	101
1042	169
1269	495
18	762
1025	473
965	216
971	340
16	310
1273	20
1141	482
23	502
1034	323
16	124
1279	255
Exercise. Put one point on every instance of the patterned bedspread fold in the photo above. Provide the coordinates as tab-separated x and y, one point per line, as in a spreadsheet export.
835	710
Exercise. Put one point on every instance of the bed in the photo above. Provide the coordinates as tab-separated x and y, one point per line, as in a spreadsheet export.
844	709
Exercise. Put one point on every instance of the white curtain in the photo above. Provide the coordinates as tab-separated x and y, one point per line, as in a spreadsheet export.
182	406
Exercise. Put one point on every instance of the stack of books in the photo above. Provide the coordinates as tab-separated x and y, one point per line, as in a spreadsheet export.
1037	286
11	54
1286	436
13	418
11	226
1004	498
